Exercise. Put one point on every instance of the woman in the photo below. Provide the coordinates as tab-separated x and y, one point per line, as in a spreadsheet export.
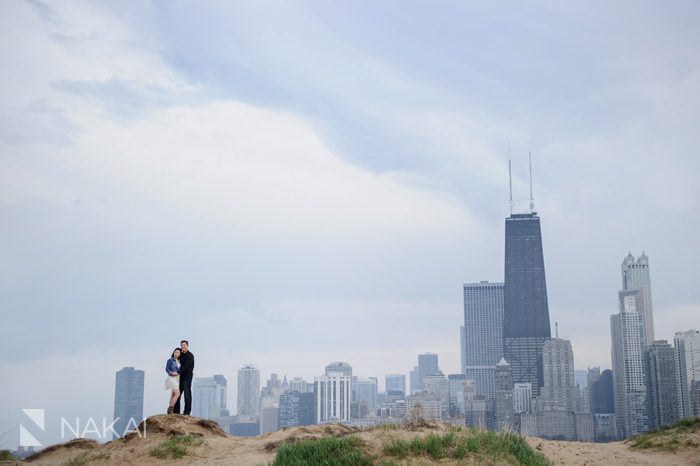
172	383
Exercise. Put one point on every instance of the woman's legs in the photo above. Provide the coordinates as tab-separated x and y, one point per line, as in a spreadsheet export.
174	395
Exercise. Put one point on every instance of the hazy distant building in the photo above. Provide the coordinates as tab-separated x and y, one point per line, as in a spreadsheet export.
128	400
559	392
480	412
300	385
425	405
602	393
248	390
526	311
269	414
456	384
209	397
463	347
365	390
522	398
662	389
635	276
395	383
339	367
605	427
628	368
504	397
438	385
483	338
558	425
695	398
687	348
333	393
296	409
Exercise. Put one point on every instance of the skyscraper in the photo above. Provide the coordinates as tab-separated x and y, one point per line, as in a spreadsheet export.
209	395
559	392
504	397
687	347
628	368
662	391
296	409
525	312
339	366
248	390
483	334
128	400
395	383
602	393
333	393
635	276
365	390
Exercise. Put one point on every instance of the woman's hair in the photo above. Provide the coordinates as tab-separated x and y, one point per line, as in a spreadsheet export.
176	349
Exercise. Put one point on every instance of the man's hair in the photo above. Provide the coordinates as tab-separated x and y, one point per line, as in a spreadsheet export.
185	342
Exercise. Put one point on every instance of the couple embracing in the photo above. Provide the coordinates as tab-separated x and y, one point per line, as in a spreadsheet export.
180	369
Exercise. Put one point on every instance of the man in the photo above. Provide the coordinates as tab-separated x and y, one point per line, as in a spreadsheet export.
186	374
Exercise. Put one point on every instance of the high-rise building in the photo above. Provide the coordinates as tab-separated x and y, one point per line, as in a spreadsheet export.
463	347
635	276
628	368
248	390
687	348
456	383
296	409
559	392
269	413
209	397
416	383
365	390
602	393
341	367
526	311
395	383
300	385
128	400
333	394
662	389
483	339
438	385
505	421
427	365
522	398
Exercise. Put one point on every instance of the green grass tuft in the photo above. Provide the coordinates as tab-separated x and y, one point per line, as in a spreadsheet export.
669	438
176	447
330	451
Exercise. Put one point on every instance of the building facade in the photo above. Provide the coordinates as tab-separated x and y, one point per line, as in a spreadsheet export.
209	397
635	276
395	383
559	392
333	393
505	420
526	310
662	389
296	409
128	400
483	334
687	349
248	391
628	367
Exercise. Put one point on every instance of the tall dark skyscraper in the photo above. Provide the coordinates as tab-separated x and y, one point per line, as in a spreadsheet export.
128	400
526	312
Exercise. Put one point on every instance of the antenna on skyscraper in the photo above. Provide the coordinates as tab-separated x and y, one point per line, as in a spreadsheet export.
510	182
532	199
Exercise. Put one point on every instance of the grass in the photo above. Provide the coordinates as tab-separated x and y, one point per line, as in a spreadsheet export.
85	458
5	455
176	447
330	451
668	438
486	446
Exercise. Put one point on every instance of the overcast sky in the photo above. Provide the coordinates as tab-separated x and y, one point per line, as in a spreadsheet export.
289	184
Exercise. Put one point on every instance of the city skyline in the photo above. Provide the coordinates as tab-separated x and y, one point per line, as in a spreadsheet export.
316	183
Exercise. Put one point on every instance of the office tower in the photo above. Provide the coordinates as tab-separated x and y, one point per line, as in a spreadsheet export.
128	400
480	413
463	347
662	390
395	383
437	384
627	336
209	397
365	390
687	347
483	339
592	374
635	276
248	390
602	393
300	385
525	311
695	398
559	392
425	405
296	409
269	414
416	383
339	366
333	394
427	365
522	398
456	383
504	397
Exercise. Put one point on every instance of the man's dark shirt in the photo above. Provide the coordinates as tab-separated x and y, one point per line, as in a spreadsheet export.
186	364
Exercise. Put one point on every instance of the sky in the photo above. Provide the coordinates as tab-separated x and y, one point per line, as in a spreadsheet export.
290	184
